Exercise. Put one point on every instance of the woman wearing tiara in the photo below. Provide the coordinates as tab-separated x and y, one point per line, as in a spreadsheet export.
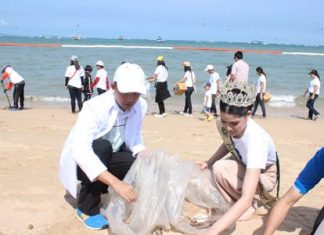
252	167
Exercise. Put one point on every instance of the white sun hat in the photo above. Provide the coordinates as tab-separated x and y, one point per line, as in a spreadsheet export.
130	78
100	63
209	67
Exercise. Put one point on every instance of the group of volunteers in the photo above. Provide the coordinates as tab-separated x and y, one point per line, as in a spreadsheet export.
106	139
78	80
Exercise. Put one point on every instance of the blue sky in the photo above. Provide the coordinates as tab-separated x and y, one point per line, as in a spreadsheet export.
272	21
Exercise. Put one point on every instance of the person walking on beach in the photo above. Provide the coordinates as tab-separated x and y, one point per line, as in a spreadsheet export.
311	175
87	82
16	80
189	79
215	87
101	81
207	102
160	77
314	91
240	69
104	143
74	75
260	89
253	160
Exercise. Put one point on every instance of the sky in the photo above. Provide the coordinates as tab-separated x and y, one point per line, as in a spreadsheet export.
270	21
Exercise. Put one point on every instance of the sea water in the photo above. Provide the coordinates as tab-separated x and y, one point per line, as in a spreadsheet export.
43	67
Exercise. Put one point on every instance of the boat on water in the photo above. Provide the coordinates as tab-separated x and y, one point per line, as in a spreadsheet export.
256	42
120	37
77	37
160	39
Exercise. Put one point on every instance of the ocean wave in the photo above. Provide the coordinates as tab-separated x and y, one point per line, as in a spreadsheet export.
55	99
282	101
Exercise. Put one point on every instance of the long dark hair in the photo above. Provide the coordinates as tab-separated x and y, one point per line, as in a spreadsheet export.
161	62
235	110
76	64
186	68
260	70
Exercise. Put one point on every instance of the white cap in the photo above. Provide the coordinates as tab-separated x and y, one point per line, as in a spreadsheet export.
100	63
186	64
130	78
209	67
74	57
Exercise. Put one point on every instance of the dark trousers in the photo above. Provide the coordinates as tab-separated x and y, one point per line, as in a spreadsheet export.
19	95
100	91
213	108
188	104
161	107
118	164
75	94
86	97
310	105
256	104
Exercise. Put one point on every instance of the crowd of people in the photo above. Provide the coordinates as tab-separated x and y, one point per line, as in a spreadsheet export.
106	138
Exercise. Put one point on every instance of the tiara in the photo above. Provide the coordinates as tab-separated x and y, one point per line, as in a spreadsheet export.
238	94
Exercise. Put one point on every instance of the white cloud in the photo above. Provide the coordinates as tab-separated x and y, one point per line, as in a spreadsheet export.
3	23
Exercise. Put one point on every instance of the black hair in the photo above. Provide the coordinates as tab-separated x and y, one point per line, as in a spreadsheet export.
186	68
229	70
76	64
315	73
260	70
88	68
239	55
235	110
161	62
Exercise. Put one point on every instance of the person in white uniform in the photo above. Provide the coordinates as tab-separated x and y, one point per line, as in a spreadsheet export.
104	143
101	81
314	91
18	82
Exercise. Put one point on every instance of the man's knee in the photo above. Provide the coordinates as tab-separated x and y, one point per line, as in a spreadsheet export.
103	149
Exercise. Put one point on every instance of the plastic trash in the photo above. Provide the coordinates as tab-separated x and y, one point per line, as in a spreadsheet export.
163	184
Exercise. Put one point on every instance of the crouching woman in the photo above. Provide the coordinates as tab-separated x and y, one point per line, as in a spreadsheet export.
252	167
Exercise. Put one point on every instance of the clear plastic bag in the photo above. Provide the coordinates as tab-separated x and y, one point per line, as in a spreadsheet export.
163	184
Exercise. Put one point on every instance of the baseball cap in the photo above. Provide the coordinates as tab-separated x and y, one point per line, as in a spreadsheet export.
313	72
209	67
74	57
130	78
100	63
4	67
160	58
207	84
186	64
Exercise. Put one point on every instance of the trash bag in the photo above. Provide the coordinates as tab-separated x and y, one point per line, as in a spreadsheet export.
163	184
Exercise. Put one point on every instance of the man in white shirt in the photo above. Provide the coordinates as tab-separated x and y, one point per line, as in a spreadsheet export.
104	143
240	69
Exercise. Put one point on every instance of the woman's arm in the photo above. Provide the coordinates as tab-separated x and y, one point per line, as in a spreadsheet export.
250	184
314	92
152	78
220	153
261	90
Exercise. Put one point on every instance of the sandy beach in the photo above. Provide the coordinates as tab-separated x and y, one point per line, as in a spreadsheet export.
32	198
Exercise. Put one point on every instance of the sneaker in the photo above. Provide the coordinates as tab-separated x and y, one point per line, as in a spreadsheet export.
96	222
209	118
187	114
316	117
182	113
163	114
158	115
